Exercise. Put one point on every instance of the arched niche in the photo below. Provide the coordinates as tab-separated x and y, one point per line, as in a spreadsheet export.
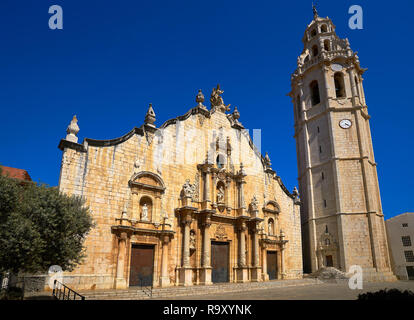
271	211
271	227
145	206
147	190
339	85
221	192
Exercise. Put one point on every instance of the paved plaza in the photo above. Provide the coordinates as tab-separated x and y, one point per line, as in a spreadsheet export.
322	291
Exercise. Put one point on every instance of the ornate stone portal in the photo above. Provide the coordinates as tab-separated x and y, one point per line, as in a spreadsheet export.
172	210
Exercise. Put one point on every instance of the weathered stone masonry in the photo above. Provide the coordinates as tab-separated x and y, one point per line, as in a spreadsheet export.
185	196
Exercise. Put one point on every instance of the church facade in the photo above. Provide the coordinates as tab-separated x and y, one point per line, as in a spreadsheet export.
191	202
342	219
194	202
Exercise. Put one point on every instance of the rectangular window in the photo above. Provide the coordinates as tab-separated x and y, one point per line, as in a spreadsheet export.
409	256
320	149
406	240
405	225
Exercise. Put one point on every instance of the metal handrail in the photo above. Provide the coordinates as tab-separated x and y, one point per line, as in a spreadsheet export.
146	288
58	293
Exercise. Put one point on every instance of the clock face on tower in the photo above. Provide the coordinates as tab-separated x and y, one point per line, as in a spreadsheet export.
345	123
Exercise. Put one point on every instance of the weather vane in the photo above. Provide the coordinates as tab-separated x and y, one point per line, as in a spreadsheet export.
315	12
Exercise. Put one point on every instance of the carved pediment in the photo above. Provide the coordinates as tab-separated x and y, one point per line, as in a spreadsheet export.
271	207
147	180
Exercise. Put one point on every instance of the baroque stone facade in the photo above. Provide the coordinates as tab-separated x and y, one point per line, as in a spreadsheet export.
342	218
190	202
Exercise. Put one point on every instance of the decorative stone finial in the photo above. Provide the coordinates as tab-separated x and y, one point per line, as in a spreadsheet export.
267	160
295	191
315	12
72	130
200	98
242	172
150	116
236	114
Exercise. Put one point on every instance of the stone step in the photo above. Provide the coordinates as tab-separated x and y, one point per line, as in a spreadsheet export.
126	294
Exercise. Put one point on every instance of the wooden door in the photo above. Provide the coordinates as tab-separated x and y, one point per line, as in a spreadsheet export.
329	261
410	272
220	262
142	265
272	264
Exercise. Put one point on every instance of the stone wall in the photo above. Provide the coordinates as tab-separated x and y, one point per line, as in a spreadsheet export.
102	171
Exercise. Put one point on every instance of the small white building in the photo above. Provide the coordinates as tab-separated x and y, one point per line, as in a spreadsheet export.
400	232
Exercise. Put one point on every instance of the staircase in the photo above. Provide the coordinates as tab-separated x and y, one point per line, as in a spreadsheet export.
372	275
160	293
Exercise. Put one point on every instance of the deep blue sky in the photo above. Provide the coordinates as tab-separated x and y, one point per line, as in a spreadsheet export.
114	57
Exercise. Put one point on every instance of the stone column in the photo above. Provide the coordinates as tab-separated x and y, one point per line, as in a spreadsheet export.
206	266
207	186
362	93
165	279
279	264
213	192
265	276
186	241
242	246
282	254
256	270
207	245
242	268
186	270
282	262
120	282
326	77
353	85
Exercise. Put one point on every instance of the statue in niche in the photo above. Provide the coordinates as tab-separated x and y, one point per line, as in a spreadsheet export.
255	204
192	240
188	189
144	212
220	194
270	227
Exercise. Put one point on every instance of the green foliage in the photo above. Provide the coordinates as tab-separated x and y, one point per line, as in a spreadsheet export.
12	293
40	227
390	294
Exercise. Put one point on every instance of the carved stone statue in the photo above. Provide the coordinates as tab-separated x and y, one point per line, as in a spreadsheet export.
144	214
136	165
254	204
216	100
192	240
188	189
295	193
220	194
270	227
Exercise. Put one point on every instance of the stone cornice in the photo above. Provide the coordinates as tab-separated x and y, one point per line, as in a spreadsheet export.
133	230
378	214
336	159
71	145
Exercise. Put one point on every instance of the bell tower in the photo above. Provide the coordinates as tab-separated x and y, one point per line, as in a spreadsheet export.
341	213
